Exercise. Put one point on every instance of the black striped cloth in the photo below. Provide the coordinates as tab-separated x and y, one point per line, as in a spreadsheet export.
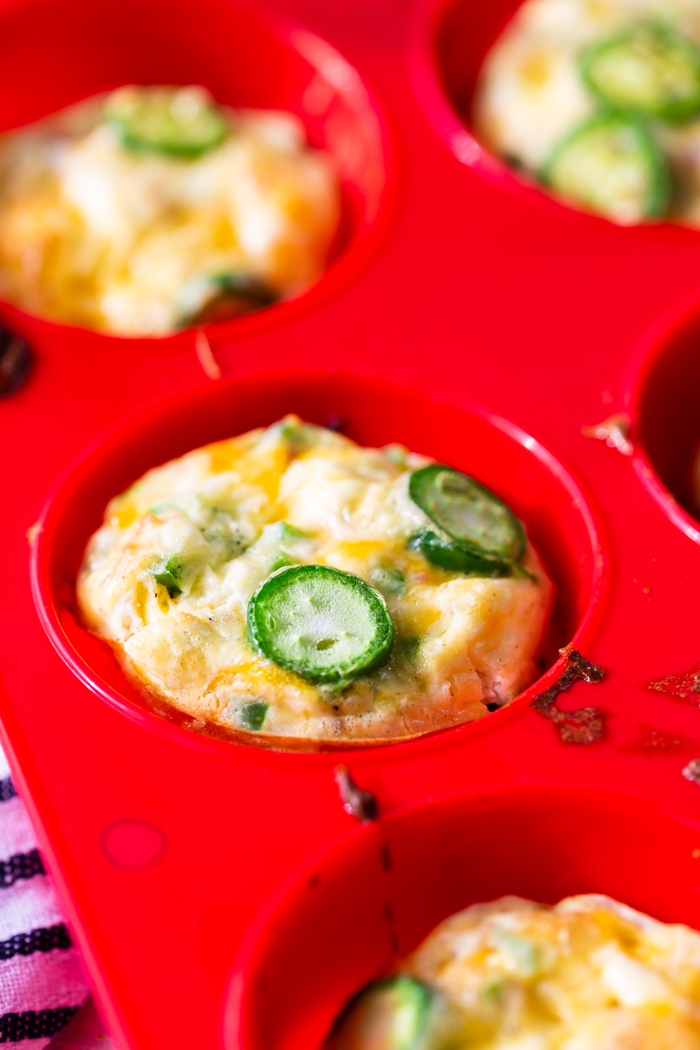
42	982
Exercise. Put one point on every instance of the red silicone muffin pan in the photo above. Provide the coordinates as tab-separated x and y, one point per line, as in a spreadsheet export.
220	893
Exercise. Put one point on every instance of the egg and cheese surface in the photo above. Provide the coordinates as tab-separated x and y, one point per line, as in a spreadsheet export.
587	974
149	209
285	584
600	100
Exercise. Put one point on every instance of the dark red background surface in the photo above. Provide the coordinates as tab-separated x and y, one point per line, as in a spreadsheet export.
183	861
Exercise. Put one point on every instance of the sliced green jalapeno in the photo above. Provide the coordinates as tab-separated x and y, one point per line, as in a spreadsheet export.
451	556
612	164
228	295
178	122
393	1014
477	533
650	69
323	624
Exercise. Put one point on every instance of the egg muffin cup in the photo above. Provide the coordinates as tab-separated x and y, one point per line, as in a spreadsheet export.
109	592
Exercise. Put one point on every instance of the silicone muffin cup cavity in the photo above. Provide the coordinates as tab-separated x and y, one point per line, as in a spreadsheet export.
661	396
371	411
306	957
52	59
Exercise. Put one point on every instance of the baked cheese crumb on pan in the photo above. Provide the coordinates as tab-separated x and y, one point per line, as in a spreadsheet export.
288	585
587	974
154	208
600	100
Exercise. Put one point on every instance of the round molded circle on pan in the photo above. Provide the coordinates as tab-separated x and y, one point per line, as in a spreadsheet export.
373	899
133	845
53	55
374	412
663	394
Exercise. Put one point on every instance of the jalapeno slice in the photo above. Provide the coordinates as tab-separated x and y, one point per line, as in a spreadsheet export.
180	122
229	295
612	164
440	550
393	1014
467	512
650	69
321	623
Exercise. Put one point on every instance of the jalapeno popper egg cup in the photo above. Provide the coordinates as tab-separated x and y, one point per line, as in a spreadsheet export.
155	208
601	103
587	974
292	585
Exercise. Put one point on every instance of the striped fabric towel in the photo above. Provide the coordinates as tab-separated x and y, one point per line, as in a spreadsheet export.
42	982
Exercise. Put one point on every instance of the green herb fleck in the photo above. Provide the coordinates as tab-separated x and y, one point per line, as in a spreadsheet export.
388	580
230	545
398	454
290	532
524	952
253	715
492	991
169	575
297	436
408	648
158	508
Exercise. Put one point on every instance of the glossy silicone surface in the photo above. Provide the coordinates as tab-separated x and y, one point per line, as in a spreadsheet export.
219	892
